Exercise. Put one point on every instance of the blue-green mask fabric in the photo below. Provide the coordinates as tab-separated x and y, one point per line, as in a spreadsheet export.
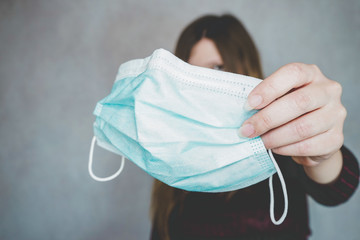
179	123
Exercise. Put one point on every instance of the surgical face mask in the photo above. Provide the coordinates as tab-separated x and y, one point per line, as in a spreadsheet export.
179	123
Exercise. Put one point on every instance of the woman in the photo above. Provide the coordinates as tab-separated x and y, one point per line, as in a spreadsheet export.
307	138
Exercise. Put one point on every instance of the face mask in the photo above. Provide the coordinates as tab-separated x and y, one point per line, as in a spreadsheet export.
179	123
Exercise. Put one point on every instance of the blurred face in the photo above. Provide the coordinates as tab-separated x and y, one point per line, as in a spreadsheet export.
205	54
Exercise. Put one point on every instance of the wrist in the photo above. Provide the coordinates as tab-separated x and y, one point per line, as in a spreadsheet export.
327	170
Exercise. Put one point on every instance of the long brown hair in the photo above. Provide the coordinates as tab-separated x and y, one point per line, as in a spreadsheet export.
239	55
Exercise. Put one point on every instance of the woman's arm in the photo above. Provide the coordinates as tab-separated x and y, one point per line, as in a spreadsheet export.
338	190
325	171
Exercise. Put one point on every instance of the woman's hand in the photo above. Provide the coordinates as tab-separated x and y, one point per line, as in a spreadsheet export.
301	115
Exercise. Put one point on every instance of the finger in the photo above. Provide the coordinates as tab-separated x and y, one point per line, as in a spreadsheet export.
320	145
305	161
304	127
284	110
286	78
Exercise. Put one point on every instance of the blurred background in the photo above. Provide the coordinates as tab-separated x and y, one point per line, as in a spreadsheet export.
58	58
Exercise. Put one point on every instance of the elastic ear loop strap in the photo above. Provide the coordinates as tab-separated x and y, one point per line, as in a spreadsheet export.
100	179
282	181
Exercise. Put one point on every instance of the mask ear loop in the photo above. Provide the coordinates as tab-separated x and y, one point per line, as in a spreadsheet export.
100	179
282	181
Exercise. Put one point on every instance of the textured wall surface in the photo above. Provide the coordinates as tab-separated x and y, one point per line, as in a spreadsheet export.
58	58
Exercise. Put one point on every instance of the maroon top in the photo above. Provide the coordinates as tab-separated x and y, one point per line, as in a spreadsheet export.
246	215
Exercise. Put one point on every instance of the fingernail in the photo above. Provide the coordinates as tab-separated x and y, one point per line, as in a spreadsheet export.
246	130
252	102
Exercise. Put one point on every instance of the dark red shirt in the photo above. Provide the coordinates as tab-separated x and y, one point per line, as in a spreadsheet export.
246	215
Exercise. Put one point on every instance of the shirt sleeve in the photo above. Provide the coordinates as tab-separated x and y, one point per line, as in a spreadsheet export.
338	191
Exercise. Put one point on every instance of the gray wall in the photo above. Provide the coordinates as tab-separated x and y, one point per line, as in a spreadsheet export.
58	58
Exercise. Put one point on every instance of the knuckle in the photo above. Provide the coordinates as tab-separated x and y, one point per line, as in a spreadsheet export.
267	121
342	112
341	139
269	140
315	68
303	129
345	113
335	88
315	73
296	69
303	101
270	87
